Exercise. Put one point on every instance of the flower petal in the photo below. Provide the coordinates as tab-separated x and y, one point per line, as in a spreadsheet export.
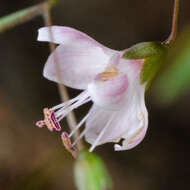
110	93
80	57
78	64
131	67
126	124
64	35
131	140
96	121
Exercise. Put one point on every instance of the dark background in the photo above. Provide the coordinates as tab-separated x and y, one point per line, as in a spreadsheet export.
32	158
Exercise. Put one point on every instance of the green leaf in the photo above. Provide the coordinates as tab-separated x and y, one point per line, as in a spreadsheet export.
175	79
153	54
90	172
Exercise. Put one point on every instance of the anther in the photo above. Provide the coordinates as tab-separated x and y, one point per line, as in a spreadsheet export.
67	143
49	120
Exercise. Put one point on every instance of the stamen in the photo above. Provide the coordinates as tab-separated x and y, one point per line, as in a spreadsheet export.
67	143
49	120
100	135
79	125
69	102
64	111
40	123
84	131
55	122
80	136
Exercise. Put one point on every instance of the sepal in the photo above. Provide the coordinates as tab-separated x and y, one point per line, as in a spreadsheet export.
153	54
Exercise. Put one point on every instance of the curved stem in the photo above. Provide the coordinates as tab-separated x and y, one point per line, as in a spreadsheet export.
174	28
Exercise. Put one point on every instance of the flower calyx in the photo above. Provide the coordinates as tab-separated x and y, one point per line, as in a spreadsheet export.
153	54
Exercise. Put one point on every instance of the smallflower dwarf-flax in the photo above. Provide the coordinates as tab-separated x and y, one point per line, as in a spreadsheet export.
108	79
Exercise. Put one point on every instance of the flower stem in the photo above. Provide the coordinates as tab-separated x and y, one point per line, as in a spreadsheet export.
21	16
174	28
62	89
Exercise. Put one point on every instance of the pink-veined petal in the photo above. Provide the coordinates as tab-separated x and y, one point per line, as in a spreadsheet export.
109	94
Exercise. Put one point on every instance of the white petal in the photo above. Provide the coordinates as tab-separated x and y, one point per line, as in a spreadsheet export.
126	123
80	57
78	64
130	121
132	140
67	36
95	123
136	133
64	35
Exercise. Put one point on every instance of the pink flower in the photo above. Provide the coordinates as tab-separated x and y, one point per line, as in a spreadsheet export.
112	82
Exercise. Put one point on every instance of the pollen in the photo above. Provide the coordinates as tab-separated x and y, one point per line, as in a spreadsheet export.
67	143
49	120
110	72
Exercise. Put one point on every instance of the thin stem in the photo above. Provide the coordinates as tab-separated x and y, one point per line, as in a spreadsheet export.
174	28
21	16
62	89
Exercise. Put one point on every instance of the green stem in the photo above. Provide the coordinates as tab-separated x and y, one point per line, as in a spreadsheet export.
173	33
21	16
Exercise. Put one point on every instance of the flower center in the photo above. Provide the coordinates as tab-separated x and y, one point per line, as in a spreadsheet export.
111	71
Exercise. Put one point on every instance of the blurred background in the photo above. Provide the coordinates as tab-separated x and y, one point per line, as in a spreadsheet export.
33	158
